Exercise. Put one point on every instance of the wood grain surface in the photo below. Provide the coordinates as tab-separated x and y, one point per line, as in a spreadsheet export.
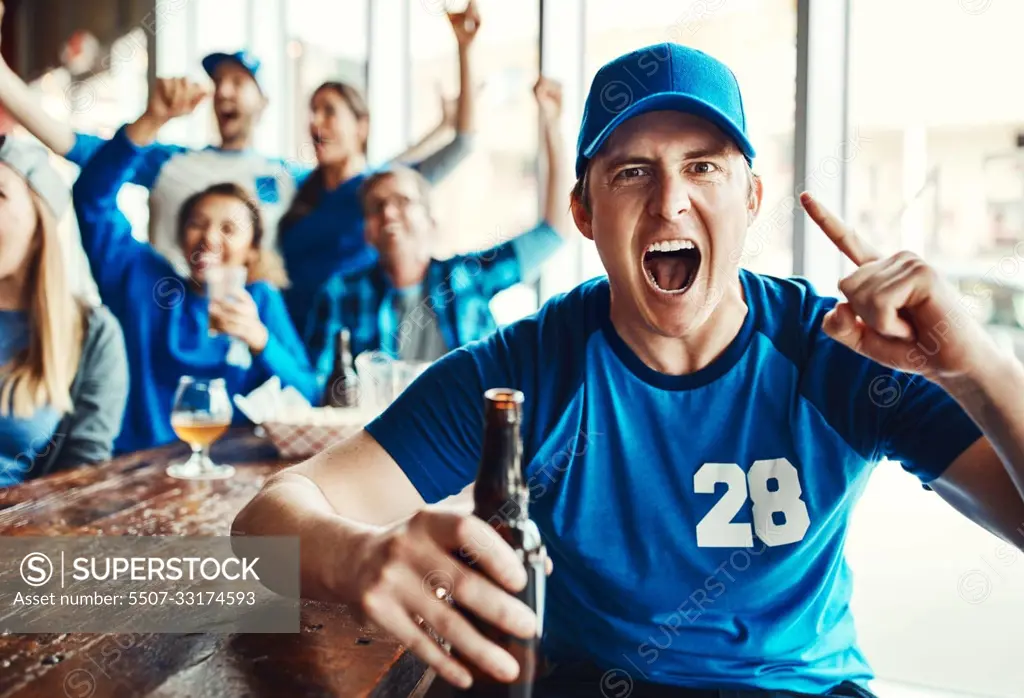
333	655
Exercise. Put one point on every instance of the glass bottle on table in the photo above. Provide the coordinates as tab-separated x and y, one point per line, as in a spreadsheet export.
501	498
201	414
343	385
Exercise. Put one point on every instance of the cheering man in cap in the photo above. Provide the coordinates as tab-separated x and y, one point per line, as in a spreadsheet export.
682	416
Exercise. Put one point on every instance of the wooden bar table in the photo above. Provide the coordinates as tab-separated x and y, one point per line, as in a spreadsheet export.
333	655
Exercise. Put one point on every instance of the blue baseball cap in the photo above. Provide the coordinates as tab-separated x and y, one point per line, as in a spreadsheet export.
664	76
243	58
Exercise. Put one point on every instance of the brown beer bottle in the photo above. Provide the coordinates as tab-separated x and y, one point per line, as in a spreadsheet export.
501	498
342	388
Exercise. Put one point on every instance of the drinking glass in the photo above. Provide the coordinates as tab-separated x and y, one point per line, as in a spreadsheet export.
222	282
201	414
382	379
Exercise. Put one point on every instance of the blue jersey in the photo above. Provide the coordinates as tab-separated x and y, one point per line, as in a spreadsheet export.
696	522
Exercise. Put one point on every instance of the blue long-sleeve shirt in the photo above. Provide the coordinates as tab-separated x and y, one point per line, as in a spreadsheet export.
165	320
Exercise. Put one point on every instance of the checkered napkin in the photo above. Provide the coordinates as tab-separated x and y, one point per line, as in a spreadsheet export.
297	429
306	440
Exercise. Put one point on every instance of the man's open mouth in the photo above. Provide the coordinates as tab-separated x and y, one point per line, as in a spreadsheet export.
672	265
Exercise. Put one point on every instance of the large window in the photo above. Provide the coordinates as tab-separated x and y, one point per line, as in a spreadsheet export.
758	41
300	43
326	40
493	195
939	169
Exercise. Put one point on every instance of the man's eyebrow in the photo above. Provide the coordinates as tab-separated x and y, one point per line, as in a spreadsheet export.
615	161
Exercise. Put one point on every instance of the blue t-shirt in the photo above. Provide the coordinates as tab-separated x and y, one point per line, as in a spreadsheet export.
21	440
696	522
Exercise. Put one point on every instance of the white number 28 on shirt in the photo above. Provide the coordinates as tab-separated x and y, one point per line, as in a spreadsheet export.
717	529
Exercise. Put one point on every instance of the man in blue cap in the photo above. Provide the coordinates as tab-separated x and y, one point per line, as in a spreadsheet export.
239	98
694	435
174	172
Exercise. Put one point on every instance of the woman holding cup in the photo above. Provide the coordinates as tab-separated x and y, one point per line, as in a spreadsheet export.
172	326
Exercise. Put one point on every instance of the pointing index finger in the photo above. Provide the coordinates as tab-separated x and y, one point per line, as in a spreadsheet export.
856	248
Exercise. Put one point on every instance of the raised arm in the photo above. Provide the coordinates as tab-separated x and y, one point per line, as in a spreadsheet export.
900	313
56	135
466	25
441	162
521	259
22	105
549	102
106	233
17	98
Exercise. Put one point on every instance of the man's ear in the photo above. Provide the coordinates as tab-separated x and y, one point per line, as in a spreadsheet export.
754	198
584	218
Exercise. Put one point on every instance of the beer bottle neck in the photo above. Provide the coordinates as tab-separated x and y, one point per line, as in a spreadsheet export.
500	489
343	350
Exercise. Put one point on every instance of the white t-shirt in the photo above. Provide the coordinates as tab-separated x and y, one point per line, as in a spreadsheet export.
173	173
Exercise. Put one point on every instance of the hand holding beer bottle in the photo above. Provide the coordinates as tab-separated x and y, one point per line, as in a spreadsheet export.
501	498
492	565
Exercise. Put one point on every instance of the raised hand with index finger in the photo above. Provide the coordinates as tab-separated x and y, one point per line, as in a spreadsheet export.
898	310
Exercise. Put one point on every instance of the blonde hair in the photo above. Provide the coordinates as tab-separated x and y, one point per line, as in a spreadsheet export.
42	373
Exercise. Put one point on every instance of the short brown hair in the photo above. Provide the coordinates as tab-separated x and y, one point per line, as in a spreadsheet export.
263	264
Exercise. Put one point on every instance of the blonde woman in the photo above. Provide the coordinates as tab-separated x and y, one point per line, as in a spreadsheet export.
63	372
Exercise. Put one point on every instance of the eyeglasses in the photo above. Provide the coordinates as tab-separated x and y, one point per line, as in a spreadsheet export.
375	207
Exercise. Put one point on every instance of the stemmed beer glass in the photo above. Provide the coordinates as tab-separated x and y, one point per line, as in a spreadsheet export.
201	414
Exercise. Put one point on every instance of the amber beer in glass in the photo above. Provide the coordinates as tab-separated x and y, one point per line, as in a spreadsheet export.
198	433
201	414
501	498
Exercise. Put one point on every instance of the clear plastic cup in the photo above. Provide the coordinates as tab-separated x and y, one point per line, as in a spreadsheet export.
382	379
224	282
